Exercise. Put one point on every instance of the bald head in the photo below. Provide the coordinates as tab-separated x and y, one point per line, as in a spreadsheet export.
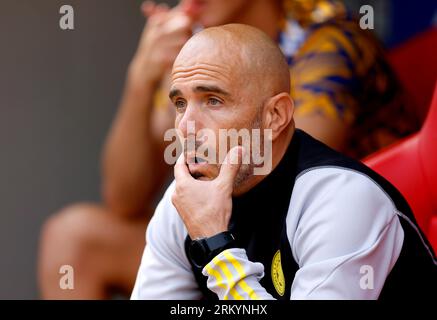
233	77
246	53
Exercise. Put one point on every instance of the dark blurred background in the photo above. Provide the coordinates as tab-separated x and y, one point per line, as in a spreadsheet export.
58	94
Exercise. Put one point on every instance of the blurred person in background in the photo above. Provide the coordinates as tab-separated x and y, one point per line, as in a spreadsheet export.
344	91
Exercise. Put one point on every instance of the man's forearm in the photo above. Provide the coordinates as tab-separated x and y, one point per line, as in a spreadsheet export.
131	157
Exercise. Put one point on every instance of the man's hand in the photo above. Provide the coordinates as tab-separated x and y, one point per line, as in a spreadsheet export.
206	206
164	35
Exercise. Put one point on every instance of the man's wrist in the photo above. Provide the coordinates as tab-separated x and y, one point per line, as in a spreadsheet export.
203	234
203	250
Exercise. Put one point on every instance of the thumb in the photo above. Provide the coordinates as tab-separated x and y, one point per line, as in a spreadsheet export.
231	165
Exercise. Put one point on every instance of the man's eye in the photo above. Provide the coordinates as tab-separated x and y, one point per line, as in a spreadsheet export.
180	104
214	102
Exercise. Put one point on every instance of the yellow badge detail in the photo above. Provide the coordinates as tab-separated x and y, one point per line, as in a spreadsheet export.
277	274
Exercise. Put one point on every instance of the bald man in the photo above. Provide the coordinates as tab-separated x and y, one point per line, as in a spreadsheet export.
319	225
344	94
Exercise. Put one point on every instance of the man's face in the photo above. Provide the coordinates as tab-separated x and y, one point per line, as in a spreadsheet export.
216	12
209	92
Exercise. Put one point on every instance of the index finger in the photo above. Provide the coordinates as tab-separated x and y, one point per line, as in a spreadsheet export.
180	168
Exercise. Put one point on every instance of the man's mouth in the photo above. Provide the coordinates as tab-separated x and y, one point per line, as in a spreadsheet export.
197	166
193	158
193	7
199	160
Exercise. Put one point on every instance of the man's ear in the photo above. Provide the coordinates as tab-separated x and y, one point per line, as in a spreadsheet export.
278	114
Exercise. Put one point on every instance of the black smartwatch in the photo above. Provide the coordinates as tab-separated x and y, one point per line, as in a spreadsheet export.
203	250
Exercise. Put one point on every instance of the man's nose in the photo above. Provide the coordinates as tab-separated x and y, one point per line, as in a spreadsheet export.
190	122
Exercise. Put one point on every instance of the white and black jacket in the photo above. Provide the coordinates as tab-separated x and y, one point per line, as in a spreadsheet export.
320	226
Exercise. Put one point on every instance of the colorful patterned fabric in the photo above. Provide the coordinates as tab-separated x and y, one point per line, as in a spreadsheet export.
339	71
